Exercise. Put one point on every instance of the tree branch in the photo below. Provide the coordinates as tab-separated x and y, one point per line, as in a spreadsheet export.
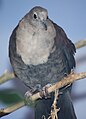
67	80
12	108
6	76
80	44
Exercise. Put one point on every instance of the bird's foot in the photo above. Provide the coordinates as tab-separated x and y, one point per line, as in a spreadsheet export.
28	94
45	91
28	99
36	89
31	92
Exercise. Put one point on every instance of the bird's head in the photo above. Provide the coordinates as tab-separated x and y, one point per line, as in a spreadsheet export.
38	17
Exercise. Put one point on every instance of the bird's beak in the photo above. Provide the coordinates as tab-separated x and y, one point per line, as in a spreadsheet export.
44	24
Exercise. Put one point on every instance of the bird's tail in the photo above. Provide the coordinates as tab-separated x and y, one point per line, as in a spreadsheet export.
66	107
43	107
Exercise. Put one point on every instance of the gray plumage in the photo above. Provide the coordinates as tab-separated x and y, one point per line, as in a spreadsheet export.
41	53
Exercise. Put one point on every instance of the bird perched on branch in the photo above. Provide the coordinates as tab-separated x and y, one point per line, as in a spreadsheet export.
41	53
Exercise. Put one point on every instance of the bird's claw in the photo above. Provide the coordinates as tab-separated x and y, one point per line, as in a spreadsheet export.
28	94
45	91
28	99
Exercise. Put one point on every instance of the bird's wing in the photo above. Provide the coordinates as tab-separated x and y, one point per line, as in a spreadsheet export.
67	47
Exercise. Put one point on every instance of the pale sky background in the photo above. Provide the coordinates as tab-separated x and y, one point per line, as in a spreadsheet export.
71	16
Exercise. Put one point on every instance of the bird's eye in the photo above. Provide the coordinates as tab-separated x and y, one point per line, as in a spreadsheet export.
35	16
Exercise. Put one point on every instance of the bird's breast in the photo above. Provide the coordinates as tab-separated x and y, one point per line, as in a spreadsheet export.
35	46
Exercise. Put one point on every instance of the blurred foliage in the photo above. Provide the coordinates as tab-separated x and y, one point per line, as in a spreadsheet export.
9	97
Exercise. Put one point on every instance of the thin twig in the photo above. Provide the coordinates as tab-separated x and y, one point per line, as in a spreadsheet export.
12	108
54	109
67	80
80	44
6	76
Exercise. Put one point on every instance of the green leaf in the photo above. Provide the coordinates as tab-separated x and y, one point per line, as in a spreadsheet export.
9	97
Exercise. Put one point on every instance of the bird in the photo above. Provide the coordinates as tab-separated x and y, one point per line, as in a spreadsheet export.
40	54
